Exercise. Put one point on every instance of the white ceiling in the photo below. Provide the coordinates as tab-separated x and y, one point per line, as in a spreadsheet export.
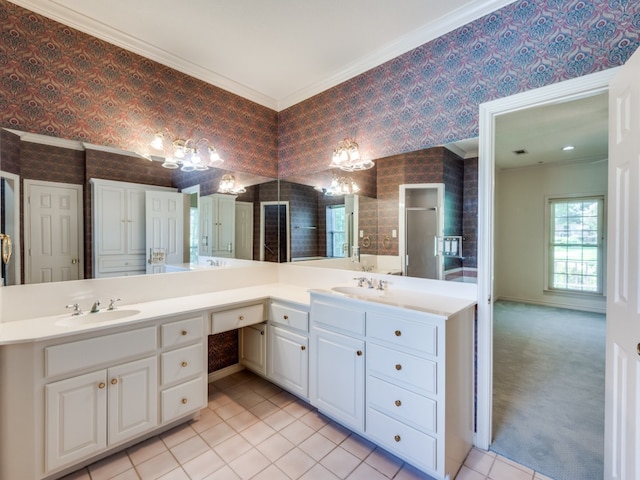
273	52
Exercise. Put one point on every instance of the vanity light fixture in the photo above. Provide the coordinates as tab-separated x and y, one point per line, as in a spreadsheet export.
189	154
341	186
228	185
347	157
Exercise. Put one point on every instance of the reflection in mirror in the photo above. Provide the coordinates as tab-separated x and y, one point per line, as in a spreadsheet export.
374	217
10	226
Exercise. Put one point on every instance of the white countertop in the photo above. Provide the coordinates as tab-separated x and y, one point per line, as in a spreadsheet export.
52	326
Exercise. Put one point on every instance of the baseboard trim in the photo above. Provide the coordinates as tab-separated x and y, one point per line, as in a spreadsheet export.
224	372
552	304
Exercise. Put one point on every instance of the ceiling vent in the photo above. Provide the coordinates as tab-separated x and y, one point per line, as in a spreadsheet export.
522	151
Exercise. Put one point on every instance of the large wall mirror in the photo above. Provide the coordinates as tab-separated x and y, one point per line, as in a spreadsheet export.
363	221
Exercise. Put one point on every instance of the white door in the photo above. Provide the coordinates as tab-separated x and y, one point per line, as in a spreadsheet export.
53	233
244	230
133	399
164	238
225	245
622	404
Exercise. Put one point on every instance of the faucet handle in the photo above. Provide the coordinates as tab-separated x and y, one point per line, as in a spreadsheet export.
382	284
76	308
112	303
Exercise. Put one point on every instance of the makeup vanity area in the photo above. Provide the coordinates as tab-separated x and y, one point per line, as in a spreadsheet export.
394	365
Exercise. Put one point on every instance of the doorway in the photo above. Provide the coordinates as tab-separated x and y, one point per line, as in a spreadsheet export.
275	240
564	91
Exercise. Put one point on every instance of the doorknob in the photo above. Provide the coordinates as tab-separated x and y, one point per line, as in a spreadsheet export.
638	348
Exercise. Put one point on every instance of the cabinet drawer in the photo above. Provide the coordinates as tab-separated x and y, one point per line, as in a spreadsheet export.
290	317
415	373
177	365
421	337
86	354
120	263
338	317
182	332
402	404
236	318
182	399
415	446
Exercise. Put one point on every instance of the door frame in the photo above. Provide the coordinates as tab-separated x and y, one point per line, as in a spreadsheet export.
12	218
27	222
288	222
573	89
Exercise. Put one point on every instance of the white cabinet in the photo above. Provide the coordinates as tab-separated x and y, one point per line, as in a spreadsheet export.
118	236
337	367
217	215
288	347
87	413
253	348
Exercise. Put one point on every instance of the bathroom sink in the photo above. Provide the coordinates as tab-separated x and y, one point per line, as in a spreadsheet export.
99	317
359	291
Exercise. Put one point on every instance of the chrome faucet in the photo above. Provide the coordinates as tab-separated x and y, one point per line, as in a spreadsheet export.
112	303
76	309
355	253
95	308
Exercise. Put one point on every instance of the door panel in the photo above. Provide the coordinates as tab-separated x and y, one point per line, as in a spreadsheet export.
164	229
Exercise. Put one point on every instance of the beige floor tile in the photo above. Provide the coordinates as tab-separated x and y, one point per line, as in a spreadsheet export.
264	409
157	466
229	410
279	420
515	464
257	433
295	463
225	473
271	473
232	448
218	399
502	470
189	449
366	472
409	472
127	475
249	464
298	408
82	474
203	465
384	462
314	419
218	433
275	447
177	474
111	466
317	446
297	432
242	421
208	418
480	461
358	446
282	399
144	451
251	399
334	432
466	473
318	472
340	462
178	434
267	390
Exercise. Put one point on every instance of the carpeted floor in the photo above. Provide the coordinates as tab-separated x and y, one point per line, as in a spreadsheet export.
548	389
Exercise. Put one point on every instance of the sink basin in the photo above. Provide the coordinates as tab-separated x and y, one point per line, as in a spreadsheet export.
100	317
360	291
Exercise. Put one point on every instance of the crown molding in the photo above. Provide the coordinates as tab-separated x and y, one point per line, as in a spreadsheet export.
413	39
47	140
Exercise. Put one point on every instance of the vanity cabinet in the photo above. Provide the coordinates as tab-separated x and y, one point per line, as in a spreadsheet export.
217	213
288	347
412	393
337	370
119	227
253	348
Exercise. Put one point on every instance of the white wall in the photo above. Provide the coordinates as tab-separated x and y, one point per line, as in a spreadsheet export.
519	229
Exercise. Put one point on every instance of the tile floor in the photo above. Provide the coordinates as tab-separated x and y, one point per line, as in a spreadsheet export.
254	430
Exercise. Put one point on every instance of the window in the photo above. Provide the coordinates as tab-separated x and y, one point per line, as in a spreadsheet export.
336	240
576	244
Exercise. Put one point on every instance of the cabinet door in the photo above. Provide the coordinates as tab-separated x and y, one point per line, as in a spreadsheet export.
253	348
337	377
288	360
111	221
136	222
226	226
76	419
133	399
205	215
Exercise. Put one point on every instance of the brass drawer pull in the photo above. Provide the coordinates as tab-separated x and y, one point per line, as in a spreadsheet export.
398	403
184	364
286	317
185	401
101	385
114	381
302	347
241	317
398	333
398	367
184	333
397	438
359	353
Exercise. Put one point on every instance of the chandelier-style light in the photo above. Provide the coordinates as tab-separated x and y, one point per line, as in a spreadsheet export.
187	154
346	156
228	185
341	186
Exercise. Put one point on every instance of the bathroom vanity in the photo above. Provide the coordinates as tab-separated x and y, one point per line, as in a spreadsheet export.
394	366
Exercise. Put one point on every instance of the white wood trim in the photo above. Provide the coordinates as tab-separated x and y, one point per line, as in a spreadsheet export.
574	89
225	372
14	219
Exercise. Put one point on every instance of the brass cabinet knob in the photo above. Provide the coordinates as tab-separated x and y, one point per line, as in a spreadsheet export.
184	364
397	438
359	353
114	381
185	401
261	332
286	317
101	385
183	333
398	333
398	403
638	349
302	347
241	317
398	366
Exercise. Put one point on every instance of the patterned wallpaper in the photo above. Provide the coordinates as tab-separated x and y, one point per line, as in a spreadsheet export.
60	82
430	95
